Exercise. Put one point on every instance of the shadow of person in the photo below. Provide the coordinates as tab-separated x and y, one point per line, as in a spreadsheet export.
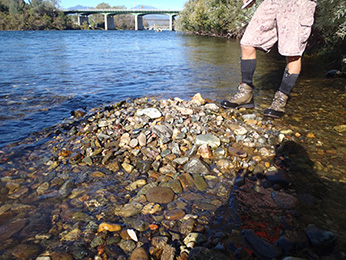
279	213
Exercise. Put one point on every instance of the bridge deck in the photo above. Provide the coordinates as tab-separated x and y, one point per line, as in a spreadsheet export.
121	11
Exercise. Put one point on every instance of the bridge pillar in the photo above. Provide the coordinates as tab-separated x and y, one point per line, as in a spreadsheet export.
139	22
171	22
83	18
109	22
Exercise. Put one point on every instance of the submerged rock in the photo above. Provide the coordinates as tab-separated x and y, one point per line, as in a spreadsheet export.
284	200
139	254
320	237
203	253
197	166
157	180
261	248
160	195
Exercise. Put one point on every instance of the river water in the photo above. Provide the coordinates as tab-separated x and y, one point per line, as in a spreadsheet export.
46	75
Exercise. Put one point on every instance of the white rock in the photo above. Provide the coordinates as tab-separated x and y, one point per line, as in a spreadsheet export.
212	107
43	258
133	143
208	139
142	139
240	131
150	112
124	140
184	110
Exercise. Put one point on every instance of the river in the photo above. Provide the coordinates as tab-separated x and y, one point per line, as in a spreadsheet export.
44	75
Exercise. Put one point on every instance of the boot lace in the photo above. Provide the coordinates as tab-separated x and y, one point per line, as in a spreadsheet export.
241	92
279	103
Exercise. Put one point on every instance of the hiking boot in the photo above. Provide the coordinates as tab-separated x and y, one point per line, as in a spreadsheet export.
243	98
277	108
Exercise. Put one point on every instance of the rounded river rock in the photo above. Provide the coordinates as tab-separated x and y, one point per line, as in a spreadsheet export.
162	195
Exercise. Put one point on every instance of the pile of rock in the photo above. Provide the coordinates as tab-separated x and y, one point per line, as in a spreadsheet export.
167	179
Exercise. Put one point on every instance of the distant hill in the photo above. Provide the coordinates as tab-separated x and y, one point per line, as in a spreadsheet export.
79	7
148	17
151	16
143	7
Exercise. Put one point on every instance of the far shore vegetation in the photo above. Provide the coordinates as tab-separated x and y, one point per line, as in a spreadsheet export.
221	18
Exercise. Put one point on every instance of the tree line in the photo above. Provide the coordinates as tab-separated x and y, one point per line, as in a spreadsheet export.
46	15
122	21
225	18
35	15
210	17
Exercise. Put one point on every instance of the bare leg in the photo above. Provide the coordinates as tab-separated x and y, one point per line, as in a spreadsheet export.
294	64
248	52
247	64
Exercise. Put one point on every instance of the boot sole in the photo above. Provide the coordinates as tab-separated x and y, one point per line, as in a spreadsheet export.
273	113
249	105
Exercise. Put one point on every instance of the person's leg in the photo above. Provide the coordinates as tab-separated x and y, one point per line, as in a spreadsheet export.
244	97
260	34
247	64
277	108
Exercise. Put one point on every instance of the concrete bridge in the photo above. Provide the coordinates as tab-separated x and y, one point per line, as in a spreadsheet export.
109	14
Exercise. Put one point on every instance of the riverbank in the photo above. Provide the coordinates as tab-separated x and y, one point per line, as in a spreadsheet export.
179	179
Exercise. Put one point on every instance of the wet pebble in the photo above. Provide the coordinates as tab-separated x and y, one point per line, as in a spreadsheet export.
25	251
175	214
139	254
284	200
196	166
320	237
160	195
261	248
208	139
127	246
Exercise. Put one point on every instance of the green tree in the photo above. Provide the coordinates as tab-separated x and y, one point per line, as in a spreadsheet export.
85	26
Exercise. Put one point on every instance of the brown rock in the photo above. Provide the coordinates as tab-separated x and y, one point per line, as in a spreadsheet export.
125	235
187	226
7	231
159	242
108	227
160	195
78	113
60	256
186	180
237	152
192	196
284	200
205	151
198	99
168	253
139	254
25	251
175	214
65	153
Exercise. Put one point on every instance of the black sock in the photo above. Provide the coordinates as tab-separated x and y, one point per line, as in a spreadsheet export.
287	83
247	68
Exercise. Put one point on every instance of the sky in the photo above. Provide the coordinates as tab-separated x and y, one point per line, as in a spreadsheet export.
159	4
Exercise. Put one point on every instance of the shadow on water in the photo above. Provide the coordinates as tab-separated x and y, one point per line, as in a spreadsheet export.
292	212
